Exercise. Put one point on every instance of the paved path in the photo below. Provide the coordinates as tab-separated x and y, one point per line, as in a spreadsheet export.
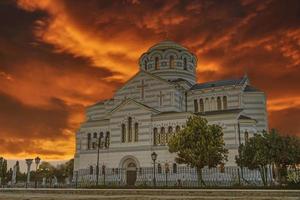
147	194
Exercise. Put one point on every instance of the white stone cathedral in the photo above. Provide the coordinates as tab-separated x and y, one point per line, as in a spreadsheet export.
156	102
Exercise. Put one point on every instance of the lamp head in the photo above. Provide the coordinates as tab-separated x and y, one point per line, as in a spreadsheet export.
154	156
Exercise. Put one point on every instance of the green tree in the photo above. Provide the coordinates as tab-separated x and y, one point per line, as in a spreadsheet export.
3	170
45	170
199	145
255	155
284	152
269	149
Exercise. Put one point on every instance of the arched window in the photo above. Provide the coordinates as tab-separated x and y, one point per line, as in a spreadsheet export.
123	133
201	105
177	128
136	132
219	103
159	168
246	136
100	141
196	105
170	131
171	62
162	136
184	64
89	141
107	139
225	102
95	135
174	168
212	103
146	65
155	136
156	64
207	104
129	129
91	170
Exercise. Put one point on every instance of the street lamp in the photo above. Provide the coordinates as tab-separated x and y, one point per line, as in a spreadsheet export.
97	166
28	162
37	161
154	157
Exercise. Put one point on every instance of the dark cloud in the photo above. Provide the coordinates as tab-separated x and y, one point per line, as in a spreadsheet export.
58	56
20	121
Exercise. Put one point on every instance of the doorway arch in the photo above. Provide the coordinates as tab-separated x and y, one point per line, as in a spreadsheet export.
130	164
131	174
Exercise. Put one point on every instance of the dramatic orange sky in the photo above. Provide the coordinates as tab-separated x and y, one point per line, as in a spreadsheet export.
58	56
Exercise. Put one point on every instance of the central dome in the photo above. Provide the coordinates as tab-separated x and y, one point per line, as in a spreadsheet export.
167	44
170	61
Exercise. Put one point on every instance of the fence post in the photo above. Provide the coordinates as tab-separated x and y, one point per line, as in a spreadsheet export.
238	170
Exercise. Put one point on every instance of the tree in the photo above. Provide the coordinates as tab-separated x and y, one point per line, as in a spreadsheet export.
269	149
199	145
3	170
284	151
254	155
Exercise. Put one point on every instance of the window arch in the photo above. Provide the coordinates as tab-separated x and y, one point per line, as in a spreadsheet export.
171	62
95	135
162	135
136	132
212	103
123	133
100	140
107	139
184	63
224	102
177	128
155	136
156	64
170	131
129	129
201	105
196	105
174	168
219	103
159	168
207	104
89	137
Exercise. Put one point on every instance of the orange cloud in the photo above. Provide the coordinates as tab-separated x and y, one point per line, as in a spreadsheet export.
57	56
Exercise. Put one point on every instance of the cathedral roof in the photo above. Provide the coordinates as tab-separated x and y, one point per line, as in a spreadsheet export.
219	83
250	88
167	44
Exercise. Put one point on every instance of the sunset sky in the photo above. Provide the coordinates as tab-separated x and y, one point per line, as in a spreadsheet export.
59	56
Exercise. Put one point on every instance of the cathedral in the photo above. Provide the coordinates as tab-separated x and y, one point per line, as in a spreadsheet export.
155	103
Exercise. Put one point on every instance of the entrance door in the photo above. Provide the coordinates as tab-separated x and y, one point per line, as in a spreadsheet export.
131	174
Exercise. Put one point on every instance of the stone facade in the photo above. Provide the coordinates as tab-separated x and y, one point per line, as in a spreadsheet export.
156	102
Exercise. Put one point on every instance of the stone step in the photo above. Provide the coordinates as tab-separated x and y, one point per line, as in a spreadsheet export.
124	194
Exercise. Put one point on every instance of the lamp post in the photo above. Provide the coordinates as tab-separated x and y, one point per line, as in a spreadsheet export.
28	162
154	157
97	165
37	161
167	169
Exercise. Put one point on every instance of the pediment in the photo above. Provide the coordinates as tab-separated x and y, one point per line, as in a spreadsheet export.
125	103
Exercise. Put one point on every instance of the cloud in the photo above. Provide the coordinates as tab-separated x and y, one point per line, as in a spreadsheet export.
58	56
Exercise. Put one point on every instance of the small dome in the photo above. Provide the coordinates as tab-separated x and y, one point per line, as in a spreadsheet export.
167	44
170	61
